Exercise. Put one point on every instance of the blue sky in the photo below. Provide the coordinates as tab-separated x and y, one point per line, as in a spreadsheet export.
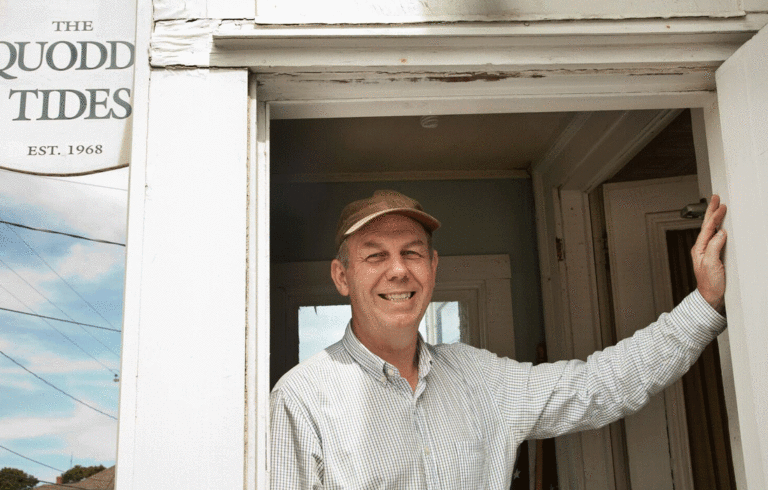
67	278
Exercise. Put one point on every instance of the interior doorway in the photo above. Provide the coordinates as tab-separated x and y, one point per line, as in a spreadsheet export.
651	270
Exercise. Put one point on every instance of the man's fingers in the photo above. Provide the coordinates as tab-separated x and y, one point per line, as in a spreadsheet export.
714	202
715	246
712	220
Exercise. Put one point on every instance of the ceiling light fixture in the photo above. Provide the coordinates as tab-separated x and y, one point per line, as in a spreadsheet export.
428	122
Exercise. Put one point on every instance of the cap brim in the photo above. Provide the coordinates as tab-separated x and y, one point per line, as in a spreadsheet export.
425	219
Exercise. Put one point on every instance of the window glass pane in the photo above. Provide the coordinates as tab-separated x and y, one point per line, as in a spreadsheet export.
442	323
321	326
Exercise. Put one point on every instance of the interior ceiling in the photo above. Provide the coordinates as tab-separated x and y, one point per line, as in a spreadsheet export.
670	154
309	149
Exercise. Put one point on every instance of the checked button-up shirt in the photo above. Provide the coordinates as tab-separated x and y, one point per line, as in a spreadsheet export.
345	419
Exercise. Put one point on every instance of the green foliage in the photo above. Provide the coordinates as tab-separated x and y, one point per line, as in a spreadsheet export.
13	479
77	473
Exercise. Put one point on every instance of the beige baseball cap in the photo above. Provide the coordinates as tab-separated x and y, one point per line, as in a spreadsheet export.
357	214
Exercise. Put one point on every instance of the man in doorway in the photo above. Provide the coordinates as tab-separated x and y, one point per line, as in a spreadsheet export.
383	409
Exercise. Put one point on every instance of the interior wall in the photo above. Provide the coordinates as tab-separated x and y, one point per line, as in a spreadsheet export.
478	217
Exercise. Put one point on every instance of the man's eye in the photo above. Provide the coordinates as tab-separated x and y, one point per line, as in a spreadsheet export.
412	253
375	257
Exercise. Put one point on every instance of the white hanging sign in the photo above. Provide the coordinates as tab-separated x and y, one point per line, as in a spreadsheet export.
66	72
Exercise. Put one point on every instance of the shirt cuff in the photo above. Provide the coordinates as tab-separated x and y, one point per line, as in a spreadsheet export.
698	319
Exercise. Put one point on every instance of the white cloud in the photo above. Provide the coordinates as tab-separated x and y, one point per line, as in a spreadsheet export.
16	293
85	434
50	363
31	286
89	263
14	382
42	363
94	211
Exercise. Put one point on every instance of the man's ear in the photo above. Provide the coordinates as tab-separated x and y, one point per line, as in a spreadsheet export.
434	262
339	276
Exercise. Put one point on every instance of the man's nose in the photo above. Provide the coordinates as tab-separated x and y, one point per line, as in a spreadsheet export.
397	269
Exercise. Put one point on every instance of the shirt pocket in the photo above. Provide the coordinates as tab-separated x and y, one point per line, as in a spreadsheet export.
470	459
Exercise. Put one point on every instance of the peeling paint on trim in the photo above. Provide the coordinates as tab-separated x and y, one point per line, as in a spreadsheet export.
481	76
517	48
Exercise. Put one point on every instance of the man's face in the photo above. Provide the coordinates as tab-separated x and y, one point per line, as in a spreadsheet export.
389	278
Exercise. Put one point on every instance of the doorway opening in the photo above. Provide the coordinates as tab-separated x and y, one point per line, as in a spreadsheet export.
472	171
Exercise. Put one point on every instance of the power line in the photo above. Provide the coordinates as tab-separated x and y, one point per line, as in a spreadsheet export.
61	333
70	287
58	319
55	387
30	459
54	305
64	179
61	233
58	275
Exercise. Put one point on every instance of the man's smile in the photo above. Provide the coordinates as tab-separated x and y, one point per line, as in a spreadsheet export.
397	296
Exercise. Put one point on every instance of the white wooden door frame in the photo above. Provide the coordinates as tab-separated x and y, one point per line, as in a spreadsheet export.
738	155
657	64
585	460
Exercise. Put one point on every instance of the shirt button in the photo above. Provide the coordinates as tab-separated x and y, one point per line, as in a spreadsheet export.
391	371
426	451
383	379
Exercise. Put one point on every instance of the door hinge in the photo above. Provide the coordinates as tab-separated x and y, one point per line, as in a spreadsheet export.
559	248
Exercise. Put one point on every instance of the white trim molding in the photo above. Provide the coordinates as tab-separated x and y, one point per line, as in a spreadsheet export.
489	50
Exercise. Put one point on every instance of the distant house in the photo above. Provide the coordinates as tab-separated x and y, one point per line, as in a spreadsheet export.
103	480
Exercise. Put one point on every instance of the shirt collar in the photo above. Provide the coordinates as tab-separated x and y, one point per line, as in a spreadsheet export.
376	366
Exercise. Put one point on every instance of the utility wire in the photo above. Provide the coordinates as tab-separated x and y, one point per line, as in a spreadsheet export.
32	249
60	332
58	319
30	459
62	233
55	387
56	306
65	180
70	287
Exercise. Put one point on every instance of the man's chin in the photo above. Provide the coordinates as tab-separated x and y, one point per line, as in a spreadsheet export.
400	324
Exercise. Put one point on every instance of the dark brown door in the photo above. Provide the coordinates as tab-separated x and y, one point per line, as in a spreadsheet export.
708	436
